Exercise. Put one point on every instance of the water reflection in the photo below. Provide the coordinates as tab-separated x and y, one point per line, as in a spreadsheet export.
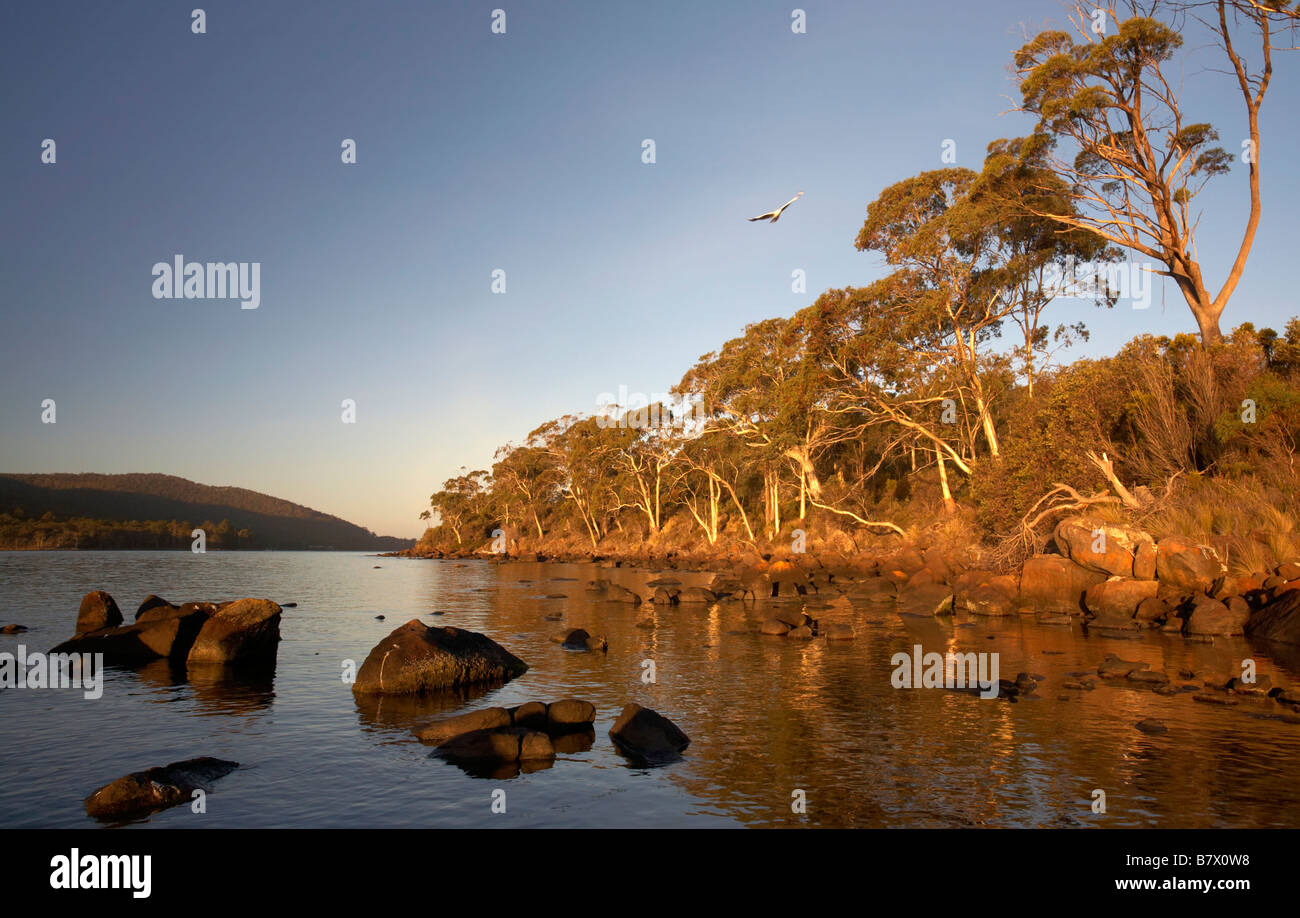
766	715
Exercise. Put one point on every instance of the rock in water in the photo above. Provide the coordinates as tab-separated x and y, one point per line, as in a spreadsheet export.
244	631
926	599
569	714
530	714
98	611
1278	621
416	658
143	792
444	730
511	744
151	602
145	640
645	734
1051	583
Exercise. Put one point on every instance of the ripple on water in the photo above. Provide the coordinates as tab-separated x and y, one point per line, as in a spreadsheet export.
767	716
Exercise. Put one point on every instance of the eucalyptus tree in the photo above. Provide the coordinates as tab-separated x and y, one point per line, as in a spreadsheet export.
642	447
1107	96
462	501
707	468
581	455
1037	258
762	390
922	326
529	477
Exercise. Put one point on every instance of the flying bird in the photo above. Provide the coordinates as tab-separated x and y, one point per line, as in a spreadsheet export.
774	215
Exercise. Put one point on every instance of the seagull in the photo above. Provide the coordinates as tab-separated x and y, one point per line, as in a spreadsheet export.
774	215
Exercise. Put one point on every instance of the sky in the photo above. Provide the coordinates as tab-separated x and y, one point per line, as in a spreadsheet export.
478	152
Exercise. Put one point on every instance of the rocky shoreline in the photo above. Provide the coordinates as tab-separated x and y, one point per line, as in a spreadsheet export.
1111	578
1114	581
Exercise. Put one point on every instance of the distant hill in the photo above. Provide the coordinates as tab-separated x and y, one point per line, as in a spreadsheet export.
159	511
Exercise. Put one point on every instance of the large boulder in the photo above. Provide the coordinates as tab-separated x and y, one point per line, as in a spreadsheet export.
243	631
1117	599
873	590
1278	621
416	658
995	596
1100	546
170	636
143	792
927	599
98	611
967	583
645	734
696	595
1187	566
1212	617
1051	583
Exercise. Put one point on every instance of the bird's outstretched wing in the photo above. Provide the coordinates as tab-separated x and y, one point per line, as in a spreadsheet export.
774	215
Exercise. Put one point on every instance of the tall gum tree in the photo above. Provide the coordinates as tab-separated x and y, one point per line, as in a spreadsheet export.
1109	108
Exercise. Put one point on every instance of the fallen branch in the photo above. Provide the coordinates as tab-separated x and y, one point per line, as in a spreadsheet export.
1107	468
853	515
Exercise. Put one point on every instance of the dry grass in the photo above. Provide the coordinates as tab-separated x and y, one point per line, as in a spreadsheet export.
1252	525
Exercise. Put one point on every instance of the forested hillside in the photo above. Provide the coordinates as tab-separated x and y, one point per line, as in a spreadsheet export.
145	511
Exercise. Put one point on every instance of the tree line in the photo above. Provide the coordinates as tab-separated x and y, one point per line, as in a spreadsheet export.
937	390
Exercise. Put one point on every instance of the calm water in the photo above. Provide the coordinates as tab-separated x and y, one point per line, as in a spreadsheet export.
766	715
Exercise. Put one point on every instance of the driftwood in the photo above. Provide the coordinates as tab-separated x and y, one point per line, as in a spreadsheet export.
1026	541
1107	468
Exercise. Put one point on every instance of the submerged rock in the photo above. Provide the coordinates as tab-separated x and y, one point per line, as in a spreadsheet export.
579	639
568	715
143	792
415	659
509	744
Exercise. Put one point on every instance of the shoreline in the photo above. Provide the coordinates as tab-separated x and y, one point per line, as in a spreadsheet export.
1116	580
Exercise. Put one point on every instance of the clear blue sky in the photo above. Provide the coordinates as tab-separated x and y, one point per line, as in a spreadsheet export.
475	152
